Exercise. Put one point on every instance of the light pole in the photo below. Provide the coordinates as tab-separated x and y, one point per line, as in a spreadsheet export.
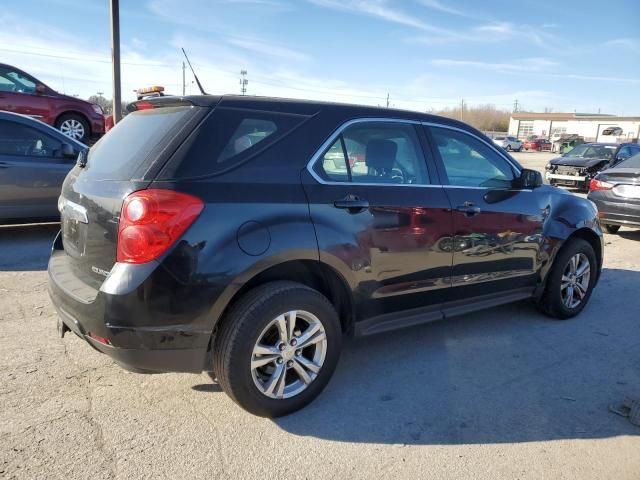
115	59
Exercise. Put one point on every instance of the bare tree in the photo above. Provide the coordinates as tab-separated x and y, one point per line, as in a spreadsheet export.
483	117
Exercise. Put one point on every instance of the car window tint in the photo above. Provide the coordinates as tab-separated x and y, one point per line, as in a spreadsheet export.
249	132
469	162
23	141
632	162
229	137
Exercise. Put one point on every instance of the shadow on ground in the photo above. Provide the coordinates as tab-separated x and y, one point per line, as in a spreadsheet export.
26	248
507	374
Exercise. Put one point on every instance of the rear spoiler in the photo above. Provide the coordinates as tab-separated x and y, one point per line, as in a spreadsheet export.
169	101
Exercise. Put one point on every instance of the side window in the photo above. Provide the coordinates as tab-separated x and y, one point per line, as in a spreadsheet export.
625	152
22	141
469	162
11	81
375	152
250	131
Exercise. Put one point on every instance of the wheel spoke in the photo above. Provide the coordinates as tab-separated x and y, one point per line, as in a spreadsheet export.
311	337
291	324
583	268
580	290
569	297
258	362
302	373
275	385
573	264
308	364
281	323
261	349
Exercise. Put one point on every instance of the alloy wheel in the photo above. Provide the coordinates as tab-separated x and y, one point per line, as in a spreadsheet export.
288	354
575	280
72	128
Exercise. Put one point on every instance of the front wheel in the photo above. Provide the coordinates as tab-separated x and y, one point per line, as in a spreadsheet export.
611	228
570	281
277	348
508	148
74	126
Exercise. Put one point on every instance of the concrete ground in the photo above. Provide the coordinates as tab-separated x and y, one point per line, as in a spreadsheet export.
504	393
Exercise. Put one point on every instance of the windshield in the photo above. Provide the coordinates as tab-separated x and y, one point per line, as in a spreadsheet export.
631	162
592	151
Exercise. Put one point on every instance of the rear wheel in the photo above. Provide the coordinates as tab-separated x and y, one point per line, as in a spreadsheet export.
611	228
570	281
508	148
74	126
277	348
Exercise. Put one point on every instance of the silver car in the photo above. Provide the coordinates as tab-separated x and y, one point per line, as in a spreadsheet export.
508	143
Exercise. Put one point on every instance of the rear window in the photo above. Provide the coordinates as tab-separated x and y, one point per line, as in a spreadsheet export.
227	138
140	139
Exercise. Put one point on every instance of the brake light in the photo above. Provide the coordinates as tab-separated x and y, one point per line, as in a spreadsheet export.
143	105
98	338
151	221
600	185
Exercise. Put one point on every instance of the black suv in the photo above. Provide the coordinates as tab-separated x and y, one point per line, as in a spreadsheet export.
244	236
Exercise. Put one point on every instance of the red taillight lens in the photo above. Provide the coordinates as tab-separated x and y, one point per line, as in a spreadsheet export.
100	339
600	185
151	221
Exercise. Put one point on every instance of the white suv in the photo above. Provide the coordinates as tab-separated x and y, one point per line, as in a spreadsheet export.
508	143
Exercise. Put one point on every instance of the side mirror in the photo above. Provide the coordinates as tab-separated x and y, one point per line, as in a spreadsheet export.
529	179
68	151
40	88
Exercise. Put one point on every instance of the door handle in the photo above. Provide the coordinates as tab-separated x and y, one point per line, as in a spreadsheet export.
353	203
469	209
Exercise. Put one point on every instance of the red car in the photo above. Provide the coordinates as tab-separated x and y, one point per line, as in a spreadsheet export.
22	93
539	144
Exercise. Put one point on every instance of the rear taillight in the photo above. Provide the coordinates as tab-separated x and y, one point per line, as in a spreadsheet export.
600	185
151	221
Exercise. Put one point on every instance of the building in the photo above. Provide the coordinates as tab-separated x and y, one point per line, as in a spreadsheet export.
593	127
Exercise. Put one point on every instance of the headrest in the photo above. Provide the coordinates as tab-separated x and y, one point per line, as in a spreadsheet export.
381	154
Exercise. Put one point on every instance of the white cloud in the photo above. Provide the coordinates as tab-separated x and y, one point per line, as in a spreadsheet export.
264	48
438	5
520	65
623	42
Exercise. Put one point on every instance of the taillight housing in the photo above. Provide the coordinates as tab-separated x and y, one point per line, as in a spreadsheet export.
596	184
151	221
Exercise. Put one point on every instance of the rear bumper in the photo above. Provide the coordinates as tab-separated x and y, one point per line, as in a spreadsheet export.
121	312
617	213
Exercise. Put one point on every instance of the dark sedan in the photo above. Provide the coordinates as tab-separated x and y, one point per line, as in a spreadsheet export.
577	167
34	160
616	192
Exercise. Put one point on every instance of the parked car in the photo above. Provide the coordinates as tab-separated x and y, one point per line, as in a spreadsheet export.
34	160
616	193
564	142
233	235
22	93
538	144
508	143
577	167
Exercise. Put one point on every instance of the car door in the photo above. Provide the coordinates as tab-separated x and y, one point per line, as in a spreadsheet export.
497	228
382	220
32	170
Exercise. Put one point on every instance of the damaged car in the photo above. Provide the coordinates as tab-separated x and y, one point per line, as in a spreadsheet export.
576	168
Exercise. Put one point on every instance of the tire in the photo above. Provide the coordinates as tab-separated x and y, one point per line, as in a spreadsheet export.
74	126
249	323
611	228
552	301
508	148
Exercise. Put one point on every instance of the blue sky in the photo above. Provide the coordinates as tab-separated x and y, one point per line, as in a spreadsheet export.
427	54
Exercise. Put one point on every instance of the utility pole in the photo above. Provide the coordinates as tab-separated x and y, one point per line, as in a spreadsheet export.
387	99
462	109
515	105
183	81
115	59
243	82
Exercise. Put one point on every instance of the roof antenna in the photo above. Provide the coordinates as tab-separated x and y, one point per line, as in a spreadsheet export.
194	73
